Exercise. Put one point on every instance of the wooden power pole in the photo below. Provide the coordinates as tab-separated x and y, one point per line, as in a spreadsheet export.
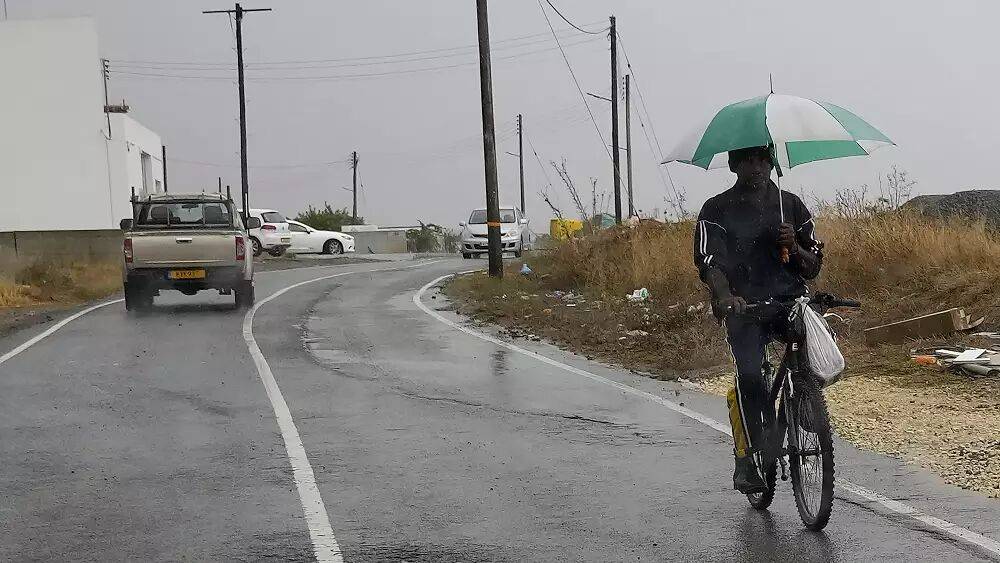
520	155
238	12
628	146
489	143
615	156
354	166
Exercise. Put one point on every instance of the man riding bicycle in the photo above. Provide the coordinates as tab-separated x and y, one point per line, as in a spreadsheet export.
746	254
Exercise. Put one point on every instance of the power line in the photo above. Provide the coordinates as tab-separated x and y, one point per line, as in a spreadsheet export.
573	25
540	165
227	65
263	166
583	97
658	156
342	76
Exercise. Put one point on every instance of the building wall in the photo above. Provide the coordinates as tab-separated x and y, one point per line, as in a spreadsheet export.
53	162
129	139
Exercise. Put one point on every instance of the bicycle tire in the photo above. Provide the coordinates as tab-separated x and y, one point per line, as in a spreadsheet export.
761	501
810	417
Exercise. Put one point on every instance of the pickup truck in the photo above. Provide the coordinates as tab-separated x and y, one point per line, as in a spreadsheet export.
188	243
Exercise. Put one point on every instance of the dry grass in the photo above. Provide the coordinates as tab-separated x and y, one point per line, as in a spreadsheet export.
52	281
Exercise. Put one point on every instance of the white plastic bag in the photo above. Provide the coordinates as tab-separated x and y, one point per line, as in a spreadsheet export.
825	359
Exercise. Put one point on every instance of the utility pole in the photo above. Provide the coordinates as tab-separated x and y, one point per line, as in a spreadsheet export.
238	12
615	157
628	146
520	155
489	143
164	152
354	166
106	70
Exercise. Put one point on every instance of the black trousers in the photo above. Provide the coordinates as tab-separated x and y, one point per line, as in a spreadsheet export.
748	335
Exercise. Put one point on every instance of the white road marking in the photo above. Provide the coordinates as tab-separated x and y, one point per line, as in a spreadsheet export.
54	328
953	530
325	546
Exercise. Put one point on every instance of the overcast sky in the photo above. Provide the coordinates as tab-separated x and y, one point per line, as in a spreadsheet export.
924	73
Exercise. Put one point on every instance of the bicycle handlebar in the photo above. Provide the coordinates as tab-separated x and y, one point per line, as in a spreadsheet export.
826	300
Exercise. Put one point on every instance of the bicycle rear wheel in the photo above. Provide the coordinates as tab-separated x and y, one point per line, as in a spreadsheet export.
810	441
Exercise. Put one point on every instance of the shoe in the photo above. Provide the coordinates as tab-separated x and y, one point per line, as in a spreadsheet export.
746	478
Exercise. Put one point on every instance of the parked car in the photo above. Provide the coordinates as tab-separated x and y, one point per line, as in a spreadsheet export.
273	236
306	239
513	232
187	243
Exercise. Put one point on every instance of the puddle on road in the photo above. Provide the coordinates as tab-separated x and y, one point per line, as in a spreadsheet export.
498	361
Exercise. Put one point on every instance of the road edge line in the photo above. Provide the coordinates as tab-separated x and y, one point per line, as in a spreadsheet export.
52	329
897	507
325	546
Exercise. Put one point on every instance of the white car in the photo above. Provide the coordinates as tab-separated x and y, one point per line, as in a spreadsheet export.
513	232
272	236
306	239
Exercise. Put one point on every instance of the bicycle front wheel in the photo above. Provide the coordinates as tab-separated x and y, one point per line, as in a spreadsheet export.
810	455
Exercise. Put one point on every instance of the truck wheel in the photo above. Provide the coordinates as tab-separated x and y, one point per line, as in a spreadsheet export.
277	251
333	247
257	248
466	255
137	298
131	299
244	295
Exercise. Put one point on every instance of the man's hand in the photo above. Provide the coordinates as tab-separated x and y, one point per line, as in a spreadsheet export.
786	238
727	305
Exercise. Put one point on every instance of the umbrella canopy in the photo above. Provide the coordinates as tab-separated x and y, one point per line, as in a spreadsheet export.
800	130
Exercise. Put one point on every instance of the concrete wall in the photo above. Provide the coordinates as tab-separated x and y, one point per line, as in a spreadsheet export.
53	162
129	139
58	168
379	241
27	246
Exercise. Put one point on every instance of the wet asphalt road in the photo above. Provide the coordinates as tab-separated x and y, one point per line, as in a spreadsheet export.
152	438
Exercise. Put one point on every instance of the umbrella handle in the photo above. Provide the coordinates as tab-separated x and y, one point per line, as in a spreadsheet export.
786	255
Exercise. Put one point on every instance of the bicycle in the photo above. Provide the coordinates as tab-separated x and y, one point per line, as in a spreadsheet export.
801	417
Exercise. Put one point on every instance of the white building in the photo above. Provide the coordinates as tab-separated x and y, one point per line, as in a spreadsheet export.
61	168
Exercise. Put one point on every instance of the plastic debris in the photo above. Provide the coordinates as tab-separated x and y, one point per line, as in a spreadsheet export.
638	295
525	269
977	362
637	333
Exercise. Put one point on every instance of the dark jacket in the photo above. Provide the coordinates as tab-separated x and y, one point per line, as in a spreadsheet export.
739	238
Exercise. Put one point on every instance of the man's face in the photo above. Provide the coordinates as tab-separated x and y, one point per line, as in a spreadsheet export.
755	170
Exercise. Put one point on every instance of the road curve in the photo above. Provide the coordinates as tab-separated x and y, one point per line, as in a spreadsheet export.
153	438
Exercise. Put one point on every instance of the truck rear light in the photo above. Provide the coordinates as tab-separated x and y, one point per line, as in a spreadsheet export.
127	249
241	248
269	227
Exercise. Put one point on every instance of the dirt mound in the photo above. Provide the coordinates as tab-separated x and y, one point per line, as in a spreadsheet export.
972	204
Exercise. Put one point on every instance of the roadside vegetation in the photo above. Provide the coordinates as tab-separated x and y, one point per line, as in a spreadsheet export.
48	282
898	264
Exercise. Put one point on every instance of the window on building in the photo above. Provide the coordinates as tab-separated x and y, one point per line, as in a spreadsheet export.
147	172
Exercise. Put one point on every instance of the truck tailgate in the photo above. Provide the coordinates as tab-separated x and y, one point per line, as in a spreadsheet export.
205	248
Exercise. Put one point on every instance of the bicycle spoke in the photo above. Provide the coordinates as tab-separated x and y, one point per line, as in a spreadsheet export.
810	459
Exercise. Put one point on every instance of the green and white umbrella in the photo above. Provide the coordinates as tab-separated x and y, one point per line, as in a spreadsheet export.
799	129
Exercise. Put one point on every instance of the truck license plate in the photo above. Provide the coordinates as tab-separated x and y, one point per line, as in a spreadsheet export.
186	274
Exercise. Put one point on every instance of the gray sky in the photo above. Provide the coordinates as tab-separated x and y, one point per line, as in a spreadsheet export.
922	72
